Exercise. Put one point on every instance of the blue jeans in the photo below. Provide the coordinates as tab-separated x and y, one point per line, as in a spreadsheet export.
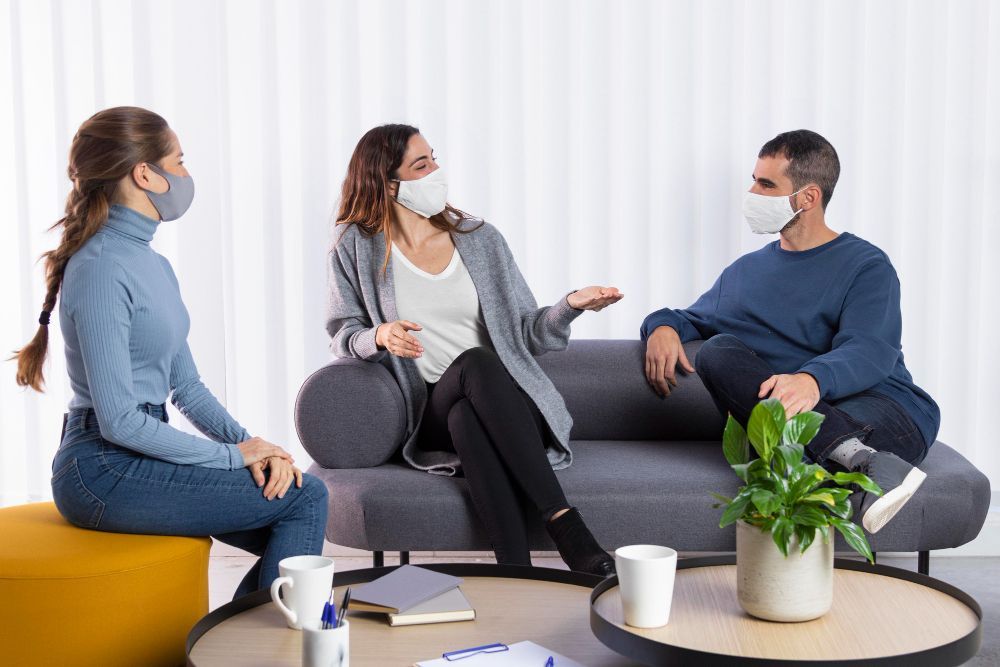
733	373
99	485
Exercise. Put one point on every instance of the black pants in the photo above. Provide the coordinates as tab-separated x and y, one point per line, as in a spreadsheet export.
733	373
477	410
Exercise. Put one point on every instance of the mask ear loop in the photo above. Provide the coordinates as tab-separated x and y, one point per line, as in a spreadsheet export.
792	205
156	170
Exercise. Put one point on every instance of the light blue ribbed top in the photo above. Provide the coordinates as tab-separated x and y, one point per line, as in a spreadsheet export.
125	328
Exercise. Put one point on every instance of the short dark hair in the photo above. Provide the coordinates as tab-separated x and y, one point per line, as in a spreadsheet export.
811	159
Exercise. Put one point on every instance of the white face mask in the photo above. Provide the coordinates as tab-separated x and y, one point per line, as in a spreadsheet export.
768	215
425	196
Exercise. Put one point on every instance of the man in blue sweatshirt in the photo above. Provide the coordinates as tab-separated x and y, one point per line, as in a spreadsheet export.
812	319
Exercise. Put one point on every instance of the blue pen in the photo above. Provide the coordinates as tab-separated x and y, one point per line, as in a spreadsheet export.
329	613
461	654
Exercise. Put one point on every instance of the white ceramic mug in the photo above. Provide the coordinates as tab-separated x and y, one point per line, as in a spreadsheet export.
646	583
326	648
307	582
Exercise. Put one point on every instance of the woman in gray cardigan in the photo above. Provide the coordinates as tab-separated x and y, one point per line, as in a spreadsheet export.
436	296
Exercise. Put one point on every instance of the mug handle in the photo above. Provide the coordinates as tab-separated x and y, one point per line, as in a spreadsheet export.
275	590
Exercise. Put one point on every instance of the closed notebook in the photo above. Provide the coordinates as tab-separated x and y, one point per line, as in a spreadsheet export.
400	590
521	654
445	608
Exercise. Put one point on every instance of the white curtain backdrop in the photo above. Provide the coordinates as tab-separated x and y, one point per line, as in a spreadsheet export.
610	142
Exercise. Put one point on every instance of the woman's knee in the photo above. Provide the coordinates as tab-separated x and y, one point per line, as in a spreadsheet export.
480	361
315	489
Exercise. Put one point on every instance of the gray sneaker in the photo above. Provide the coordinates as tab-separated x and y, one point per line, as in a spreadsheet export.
898	480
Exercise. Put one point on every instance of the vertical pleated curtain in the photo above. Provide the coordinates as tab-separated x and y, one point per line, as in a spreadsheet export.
610	142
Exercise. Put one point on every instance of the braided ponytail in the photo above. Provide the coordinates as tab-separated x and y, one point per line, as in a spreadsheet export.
102	154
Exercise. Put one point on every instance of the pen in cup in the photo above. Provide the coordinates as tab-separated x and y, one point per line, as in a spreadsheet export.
343	608
329	613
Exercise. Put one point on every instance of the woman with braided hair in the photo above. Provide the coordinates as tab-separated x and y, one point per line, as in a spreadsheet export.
120	467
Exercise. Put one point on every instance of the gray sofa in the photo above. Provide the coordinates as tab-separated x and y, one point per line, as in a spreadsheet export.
643	466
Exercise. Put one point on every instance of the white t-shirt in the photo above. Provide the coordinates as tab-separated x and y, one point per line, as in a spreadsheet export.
446	305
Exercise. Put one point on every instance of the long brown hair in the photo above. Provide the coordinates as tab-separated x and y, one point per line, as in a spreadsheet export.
105	149
366	200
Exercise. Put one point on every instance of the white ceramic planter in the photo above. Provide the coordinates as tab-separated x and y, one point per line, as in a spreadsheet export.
775	588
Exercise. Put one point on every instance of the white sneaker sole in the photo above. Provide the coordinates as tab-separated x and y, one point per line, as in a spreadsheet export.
885	508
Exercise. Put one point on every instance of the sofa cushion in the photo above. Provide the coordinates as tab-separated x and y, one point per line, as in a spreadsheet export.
350	414
629	493
604	385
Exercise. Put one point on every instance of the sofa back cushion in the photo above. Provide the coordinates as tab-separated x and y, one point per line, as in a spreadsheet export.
604	385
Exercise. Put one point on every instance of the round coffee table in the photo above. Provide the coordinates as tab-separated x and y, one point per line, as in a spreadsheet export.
880	616
549	607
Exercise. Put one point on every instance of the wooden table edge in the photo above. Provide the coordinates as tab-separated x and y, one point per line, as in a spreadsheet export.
353	577
651	652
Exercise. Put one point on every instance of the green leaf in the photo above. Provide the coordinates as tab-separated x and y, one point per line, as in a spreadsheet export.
780	483
862	480
820	497
802	428
721	498
806	515
843	509
764	429
781	533
734	511
854	536
838	493
808	478
791	454
742	470
758	468
765	501
806	535
777	412
735	445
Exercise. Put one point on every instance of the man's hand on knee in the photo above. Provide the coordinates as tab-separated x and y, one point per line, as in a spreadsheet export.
664	351
798	392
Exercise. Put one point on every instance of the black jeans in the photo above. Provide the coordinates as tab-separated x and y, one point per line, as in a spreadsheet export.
477	411
733	373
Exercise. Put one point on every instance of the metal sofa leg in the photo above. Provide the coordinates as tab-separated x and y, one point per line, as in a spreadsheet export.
924	562
404	557
378	559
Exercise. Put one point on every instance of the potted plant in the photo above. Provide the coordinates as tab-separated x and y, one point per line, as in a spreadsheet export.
785	514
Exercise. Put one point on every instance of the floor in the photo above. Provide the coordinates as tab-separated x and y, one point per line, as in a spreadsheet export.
980	576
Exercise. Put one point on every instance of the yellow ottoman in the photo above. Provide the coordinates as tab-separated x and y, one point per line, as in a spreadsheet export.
70	596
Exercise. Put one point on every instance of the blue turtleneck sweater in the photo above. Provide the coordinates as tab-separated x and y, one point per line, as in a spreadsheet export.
125	328
832	311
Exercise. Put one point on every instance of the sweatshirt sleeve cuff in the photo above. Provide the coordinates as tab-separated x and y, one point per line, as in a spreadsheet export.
236	460
823	376
656	320
363	343
561	314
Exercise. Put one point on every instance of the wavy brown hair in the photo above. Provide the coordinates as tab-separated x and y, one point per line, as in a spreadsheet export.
366	200
105	149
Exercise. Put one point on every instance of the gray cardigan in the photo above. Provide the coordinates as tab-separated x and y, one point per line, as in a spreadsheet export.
361	298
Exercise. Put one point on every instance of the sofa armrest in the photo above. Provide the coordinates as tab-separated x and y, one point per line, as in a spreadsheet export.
350	414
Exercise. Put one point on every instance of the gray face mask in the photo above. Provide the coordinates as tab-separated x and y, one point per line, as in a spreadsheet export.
173	203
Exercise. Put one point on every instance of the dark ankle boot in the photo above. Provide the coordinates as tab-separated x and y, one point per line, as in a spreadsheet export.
577	545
